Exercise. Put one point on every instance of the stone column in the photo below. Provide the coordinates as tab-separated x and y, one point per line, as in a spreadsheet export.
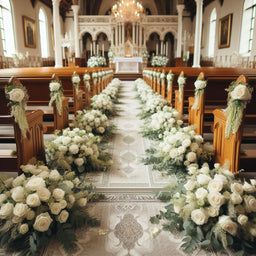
116	38
138	26
123	33
120	34
75	9
57	33
140	36
198	33
94	47
133	33
180	9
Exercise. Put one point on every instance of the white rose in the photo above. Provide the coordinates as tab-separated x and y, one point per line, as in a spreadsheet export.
62	218
63	149
18	194
228	225
69	183
237	188
220	177
28	168
54	175
3	197
33	200
16	95
44	194
58	194
199	84
190	185
201	193
74	149
18	181
55	208
186	143
203	179
30	215
216	199
42	222
44	174
241	92
20	210
212	211
23	228
63	204
191	157
66	141
54	86
79	161
177	208
181	80
242	219
76	79
101	130
253	182
35	183
215	185
82	202
247	187
252	230
250	203
199	216
71	199
236	198
6	210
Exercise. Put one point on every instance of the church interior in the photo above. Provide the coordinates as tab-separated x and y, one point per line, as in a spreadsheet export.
127	127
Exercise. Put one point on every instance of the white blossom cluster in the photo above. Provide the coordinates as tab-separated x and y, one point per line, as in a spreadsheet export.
159	61
112	89
97	61
39	197
216	196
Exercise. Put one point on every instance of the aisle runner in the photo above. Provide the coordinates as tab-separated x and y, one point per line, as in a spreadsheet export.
130	189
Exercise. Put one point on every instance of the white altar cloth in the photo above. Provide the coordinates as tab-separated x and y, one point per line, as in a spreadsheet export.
128	65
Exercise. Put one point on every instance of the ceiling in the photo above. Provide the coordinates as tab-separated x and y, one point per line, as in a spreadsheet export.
93	6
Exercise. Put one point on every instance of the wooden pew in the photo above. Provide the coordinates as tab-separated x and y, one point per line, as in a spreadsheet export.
179	98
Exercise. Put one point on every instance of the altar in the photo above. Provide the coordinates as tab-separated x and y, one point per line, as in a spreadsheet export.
128	65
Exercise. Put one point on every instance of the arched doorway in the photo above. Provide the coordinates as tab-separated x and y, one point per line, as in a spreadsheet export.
169	41
103	45
87	42
153	44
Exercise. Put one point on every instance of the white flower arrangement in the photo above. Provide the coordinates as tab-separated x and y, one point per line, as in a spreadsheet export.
75	150
87	79
103	103
217	208
181	83
200	85
76	81
97	61
239	94
159	61
180	147
161	122
18	97
169	78
93	121
56	94
42	204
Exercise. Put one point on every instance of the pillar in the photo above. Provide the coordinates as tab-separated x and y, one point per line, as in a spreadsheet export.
140	36
94	47
133	33
75	9
120	34
180	9
137	34
123	33
198	33
57	33
116	37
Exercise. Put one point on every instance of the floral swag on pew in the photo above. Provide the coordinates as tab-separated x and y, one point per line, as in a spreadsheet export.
76	82
239	94
87	79
181	83
169	78
200	85
56	94
18	97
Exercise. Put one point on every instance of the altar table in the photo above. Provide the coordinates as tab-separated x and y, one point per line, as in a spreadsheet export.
128	65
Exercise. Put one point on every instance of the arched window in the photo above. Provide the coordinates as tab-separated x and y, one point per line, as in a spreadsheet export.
6	27
43	34
247	27
212	33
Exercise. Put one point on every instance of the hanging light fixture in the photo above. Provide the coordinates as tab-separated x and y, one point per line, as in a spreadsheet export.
128	10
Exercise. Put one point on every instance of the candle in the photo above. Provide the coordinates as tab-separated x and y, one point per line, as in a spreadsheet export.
97	49
157	49
166	48
91	48
94	48
162	48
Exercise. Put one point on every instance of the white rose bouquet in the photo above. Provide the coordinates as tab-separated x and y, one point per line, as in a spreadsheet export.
103	103
179	148
96	61
214	210
239	94
200	85
76	81
181	83
56	94
112	91
76	150
159	61
40	205
18	97
169	78
162	121
143	90
95	122
87	79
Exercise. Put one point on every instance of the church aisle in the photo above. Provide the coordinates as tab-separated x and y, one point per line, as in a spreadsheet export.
130	188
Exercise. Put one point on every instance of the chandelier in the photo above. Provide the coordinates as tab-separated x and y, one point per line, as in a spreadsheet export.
128	10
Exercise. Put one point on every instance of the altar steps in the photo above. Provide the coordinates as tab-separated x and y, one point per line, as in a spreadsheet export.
128	77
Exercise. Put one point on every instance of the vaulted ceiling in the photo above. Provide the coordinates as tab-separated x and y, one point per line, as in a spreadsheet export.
93	6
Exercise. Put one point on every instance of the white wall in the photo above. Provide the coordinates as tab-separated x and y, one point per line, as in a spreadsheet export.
25	8
229	6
